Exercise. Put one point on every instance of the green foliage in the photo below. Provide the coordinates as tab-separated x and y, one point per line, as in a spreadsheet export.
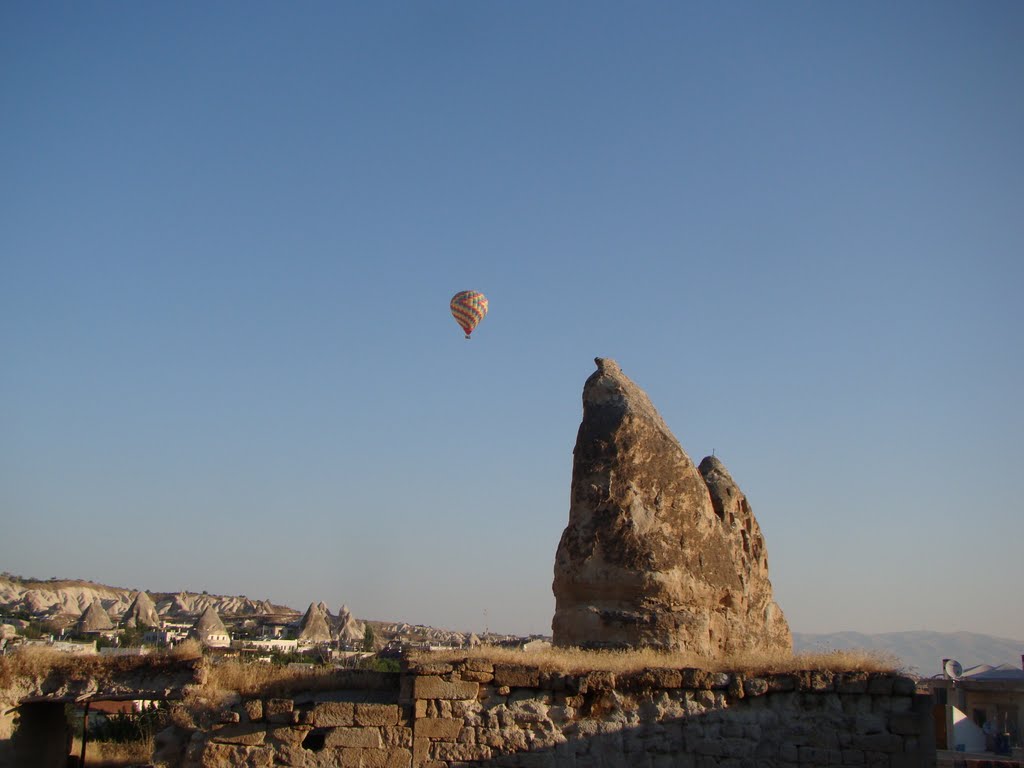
368	639
281	658
378	664
130	726
131	637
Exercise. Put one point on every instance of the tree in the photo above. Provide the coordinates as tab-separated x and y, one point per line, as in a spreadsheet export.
368	640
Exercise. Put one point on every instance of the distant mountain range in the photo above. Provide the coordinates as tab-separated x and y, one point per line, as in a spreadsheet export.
921	652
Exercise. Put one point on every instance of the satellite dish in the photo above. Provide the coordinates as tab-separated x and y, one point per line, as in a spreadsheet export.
953	669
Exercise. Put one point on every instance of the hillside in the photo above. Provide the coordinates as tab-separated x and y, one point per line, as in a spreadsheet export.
70	597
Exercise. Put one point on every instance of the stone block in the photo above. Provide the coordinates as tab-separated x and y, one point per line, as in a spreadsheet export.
433	668
448	752
712	747
813	756
904	686
330	714
886	743
284	734
822	681
654	678
478	665
476	677
254	710
852	682
755	686
362	738
396	736
595	681
869	724
900	703
244	735
436	688
515	676
554	681
345	757
880	684
405	688
278	710
781	683
385	758
420	750
437	728
853	757
233	756
906	723
376	714
719	680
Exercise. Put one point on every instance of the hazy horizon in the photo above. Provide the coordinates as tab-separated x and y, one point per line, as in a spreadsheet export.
229	235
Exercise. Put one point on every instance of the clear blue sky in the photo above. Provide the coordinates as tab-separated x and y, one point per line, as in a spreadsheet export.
229	233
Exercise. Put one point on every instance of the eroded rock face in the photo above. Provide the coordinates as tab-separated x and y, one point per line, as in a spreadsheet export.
651	556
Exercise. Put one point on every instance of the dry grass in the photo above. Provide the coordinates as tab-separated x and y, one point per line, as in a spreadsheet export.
109	754
577	661
39	661
248	678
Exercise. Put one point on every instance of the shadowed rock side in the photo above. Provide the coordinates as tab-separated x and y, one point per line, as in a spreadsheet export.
753	604
645	559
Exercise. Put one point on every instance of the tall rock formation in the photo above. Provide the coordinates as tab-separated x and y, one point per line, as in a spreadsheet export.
313	627
141	613
653	555
95	618
210	630
350	631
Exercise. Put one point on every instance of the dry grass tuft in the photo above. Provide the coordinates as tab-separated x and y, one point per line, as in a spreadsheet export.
109	754
578	661
39	661
187	650
250	679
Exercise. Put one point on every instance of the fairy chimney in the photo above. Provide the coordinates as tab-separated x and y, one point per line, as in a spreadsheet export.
656	554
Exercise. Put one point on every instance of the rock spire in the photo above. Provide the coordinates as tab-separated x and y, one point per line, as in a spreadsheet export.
95	618
313	627
142	612
656	553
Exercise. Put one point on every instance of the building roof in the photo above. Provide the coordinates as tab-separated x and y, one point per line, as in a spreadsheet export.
988	672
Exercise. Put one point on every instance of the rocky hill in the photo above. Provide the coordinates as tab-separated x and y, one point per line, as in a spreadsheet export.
70	598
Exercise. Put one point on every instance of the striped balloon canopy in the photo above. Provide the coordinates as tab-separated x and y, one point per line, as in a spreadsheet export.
468	309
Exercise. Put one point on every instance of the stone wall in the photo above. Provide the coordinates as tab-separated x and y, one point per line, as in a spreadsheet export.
449	715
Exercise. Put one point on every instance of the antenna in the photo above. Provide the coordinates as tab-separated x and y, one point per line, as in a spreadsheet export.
952	668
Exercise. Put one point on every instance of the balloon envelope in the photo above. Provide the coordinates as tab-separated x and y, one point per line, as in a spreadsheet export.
468	309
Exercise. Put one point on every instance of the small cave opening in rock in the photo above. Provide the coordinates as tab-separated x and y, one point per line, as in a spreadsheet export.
315	740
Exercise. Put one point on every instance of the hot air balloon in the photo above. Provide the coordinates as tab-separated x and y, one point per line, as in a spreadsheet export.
468	309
